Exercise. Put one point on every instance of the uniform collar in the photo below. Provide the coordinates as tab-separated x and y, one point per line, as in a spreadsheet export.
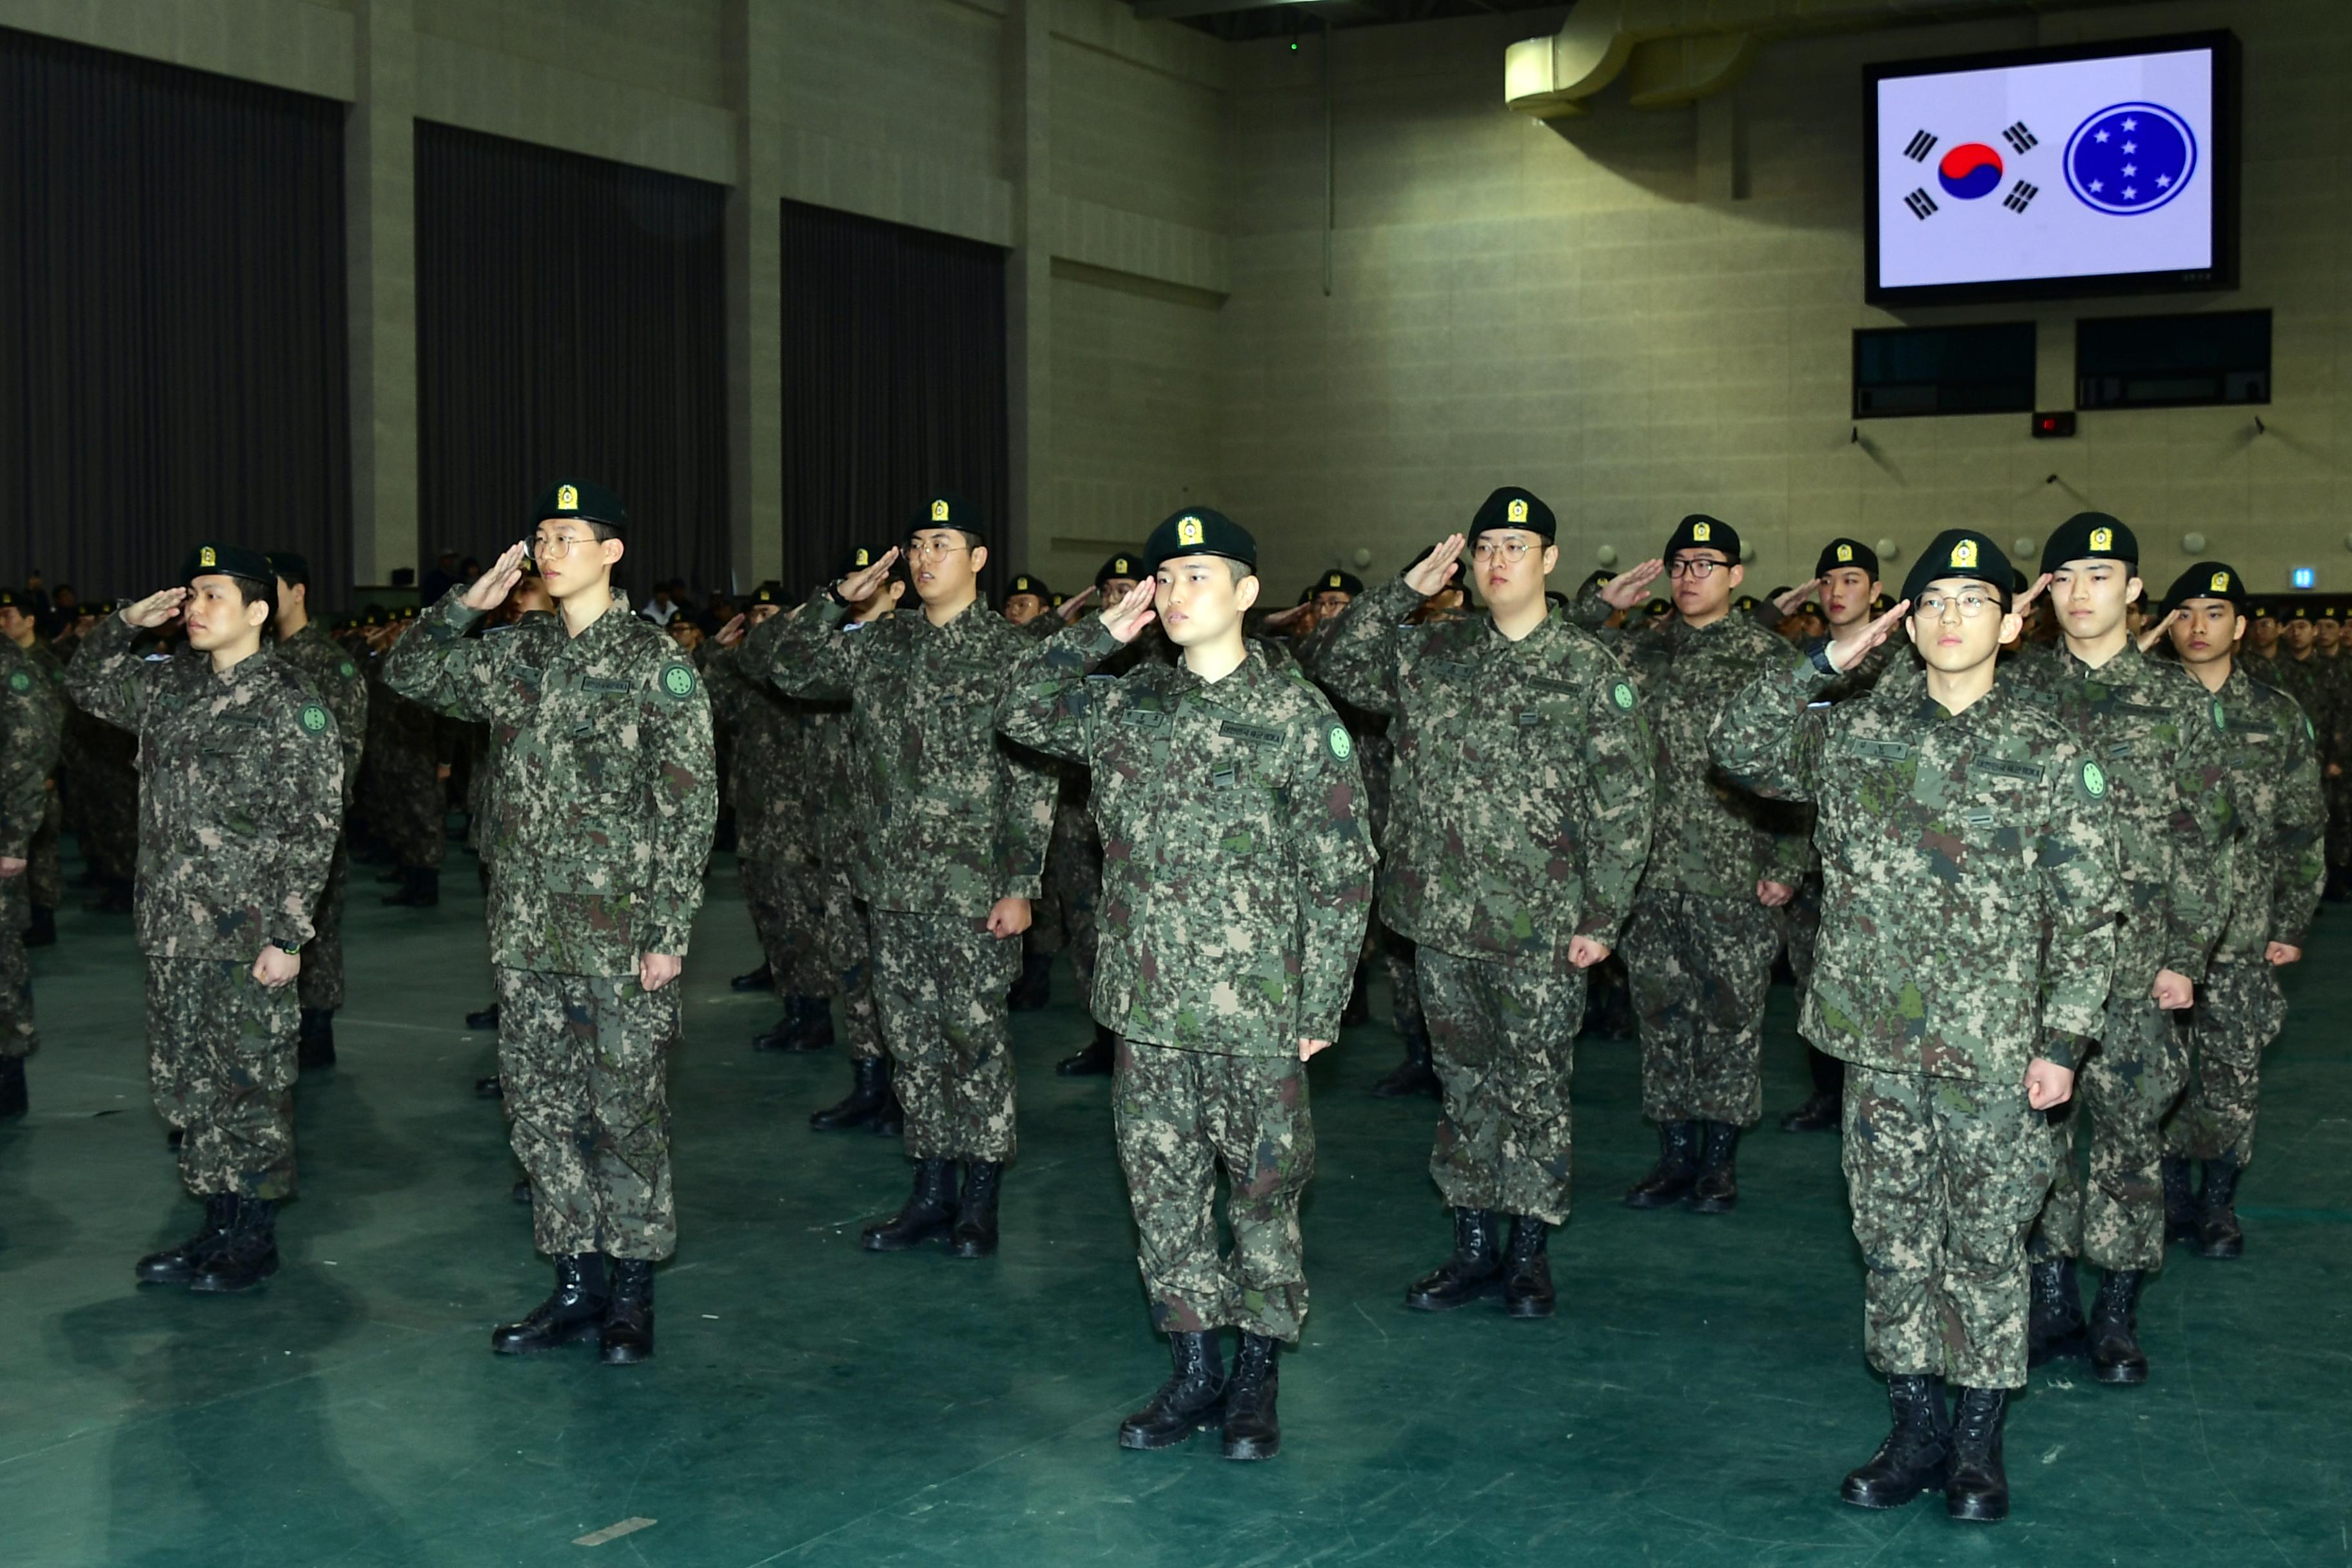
1246	676
2128	668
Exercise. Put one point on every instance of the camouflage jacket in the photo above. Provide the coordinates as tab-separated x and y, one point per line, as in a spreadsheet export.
2314	683
1238	865
2157	734
1968	893
2276	861
339	684
955	820
604	791
240	793
795	804
1525	778
31	729
1710	838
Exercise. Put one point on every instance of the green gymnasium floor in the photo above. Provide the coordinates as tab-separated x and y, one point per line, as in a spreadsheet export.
1695	1401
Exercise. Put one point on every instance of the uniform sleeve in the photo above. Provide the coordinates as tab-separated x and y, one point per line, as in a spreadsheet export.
684	808
1335	863
733	689
1026	793
1049	707
803	652
1621	758
1358	662
2074	859
32	726
348	703
2299	836
105	681
438	665
2198	905
1765	741
310	779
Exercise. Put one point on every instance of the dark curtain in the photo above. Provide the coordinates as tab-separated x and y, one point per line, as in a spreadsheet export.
894	386
173	359
570	321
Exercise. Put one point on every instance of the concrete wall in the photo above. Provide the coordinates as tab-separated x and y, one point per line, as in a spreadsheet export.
1641	314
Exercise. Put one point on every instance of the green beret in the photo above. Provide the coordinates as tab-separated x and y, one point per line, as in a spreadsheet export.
1657	607
2210	580
768	592
1512	507
858	559
583	498
1199	531
1700	531
1025	584
1337	583
227	560
2089	536
290	566
944	509
1840	554
1125	566
1960	552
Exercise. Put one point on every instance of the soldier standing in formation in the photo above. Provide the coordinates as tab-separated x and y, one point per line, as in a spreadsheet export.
240	796
1238	872
45	885
950	861
605	804
1524	793
32	725
1967	934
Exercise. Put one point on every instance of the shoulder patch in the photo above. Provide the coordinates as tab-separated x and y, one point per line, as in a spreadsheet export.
1621	694
2094	779
2220	720
1341	747
347	669
19	682
678	679
314	719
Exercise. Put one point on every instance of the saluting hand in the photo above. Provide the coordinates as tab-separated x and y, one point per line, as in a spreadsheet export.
155	609
2149	639
1284	620
1076	606
1850	649
1434	571
2024	601
1125	620
859	586
491	588
1632	585
1787	602
732	632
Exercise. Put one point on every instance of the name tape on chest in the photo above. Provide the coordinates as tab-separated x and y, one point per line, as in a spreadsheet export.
1257	734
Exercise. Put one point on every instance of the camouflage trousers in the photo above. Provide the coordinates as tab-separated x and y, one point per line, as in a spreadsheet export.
785	898
2239	1010
1944	1177
46	877
319	987
2116	1219
1064	920
220	1062
941	982
1399	961
848	938
108	802
1503	1041
18	1038
1180	1115
411	815
1801	934
1700	968
2338	793
583	1062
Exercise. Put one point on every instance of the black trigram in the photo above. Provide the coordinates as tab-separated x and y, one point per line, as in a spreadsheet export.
2019	138
2020	196
1922	205
1922	144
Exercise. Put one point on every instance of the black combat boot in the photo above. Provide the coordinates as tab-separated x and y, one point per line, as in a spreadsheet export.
2217	1233
113	899
409	897
2115	1329
1916	1454
760	979
1097	1057
627	1336
245	1257
395	872
43	932
869	1086
1251	1429
521	1192
2054	1324
1819	1114
1472	1270
575	1312
1414	1076
928	1211
173	1137
1670	1179
974	1234
1978	1488
1717	1188
1359	1009
890	1122
1526	1269
1188	1401
316	1047
1034	987
14	1100
491	1088
2179	1202
488	1018
807	1026
178	1265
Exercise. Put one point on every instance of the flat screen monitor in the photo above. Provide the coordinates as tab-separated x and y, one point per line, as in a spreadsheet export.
2087	169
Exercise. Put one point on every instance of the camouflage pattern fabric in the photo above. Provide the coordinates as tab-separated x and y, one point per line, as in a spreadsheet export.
336	677
939	983
240	791
778	822
847	929
1701	968
1503	1041
582	1060
101	775
401	793
2116	1218
220	1060
1944	1282
45	879
1074	878
2239	1010
1180	1115
32	731
605	790
19	1036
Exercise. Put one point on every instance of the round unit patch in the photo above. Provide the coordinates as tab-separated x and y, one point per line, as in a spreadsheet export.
314	719
20	682
1622	695
346	669
677	680
2094	782
1341	747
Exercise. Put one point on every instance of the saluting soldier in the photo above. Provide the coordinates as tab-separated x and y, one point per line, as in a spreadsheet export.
605	799
1238	873
45	883
240	794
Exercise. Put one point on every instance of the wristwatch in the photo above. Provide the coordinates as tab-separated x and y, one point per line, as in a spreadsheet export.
833	589
290	949
1821	658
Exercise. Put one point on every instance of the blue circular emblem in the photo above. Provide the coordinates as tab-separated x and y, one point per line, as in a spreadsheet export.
2130	159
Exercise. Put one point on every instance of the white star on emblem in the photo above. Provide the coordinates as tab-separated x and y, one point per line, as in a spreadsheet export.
2130	169
2131	124
2097	185
2130	195
2131	146
2164	179
2102	135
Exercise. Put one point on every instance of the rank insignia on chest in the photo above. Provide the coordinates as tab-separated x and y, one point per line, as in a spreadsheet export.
314	718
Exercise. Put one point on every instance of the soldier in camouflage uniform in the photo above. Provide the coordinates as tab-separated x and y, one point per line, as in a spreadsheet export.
45	884
605	803
1705	929
954	850
2158	734
1525	792
2276	867
2335	782
339	684
1238	873
101	772
406	763
32	725
241	780
1968	936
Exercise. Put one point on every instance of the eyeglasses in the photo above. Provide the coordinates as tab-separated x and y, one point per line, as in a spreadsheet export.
936	549
1931	606
547	544
1511	550
1700	567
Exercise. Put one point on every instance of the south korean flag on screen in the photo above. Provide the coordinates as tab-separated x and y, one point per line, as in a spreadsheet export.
2073	169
